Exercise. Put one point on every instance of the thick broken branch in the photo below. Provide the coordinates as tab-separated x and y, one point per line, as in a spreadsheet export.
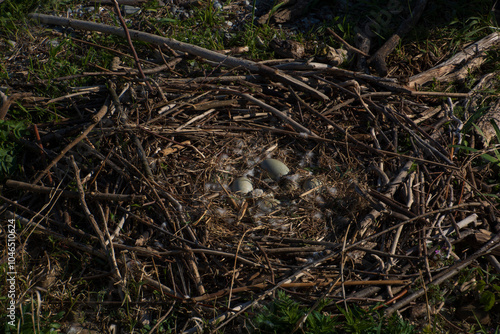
455	63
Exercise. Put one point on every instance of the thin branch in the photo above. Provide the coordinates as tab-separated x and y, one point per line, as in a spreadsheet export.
129	40
449	273
73	194
95	120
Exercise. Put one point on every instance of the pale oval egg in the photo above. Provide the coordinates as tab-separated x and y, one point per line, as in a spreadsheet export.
242	185
275	168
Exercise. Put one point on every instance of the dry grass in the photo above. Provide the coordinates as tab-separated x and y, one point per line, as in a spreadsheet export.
186	247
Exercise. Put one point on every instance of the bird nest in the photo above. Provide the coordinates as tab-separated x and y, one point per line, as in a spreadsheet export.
138	189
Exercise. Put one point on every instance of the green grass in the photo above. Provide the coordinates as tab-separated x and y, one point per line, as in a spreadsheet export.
10	151
284	314
206	29
31	322
203	28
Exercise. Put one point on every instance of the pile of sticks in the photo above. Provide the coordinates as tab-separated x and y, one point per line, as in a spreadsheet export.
142	182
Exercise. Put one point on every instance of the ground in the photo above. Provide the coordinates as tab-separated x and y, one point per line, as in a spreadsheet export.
138	195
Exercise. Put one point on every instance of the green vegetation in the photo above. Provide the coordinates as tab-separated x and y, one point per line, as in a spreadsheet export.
486	287
10	132
490	155
32	322
284	314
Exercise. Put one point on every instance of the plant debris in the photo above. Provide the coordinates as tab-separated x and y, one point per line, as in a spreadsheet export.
160	186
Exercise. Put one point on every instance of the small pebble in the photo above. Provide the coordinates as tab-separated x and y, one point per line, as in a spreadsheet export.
217	5
130	10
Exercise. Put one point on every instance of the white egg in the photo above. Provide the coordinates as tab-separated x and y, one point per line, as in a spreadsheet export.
275	168
242	185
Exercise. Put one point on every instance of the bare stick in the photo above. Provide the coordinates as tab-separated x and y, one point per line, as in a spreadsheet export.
195	272
378	59
347	45
297	126
129	40
452	271
143	157
299	285
456	62
93	222
194	119
223	60
369	218
289	279
40	229
342	263
95	119
73	194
